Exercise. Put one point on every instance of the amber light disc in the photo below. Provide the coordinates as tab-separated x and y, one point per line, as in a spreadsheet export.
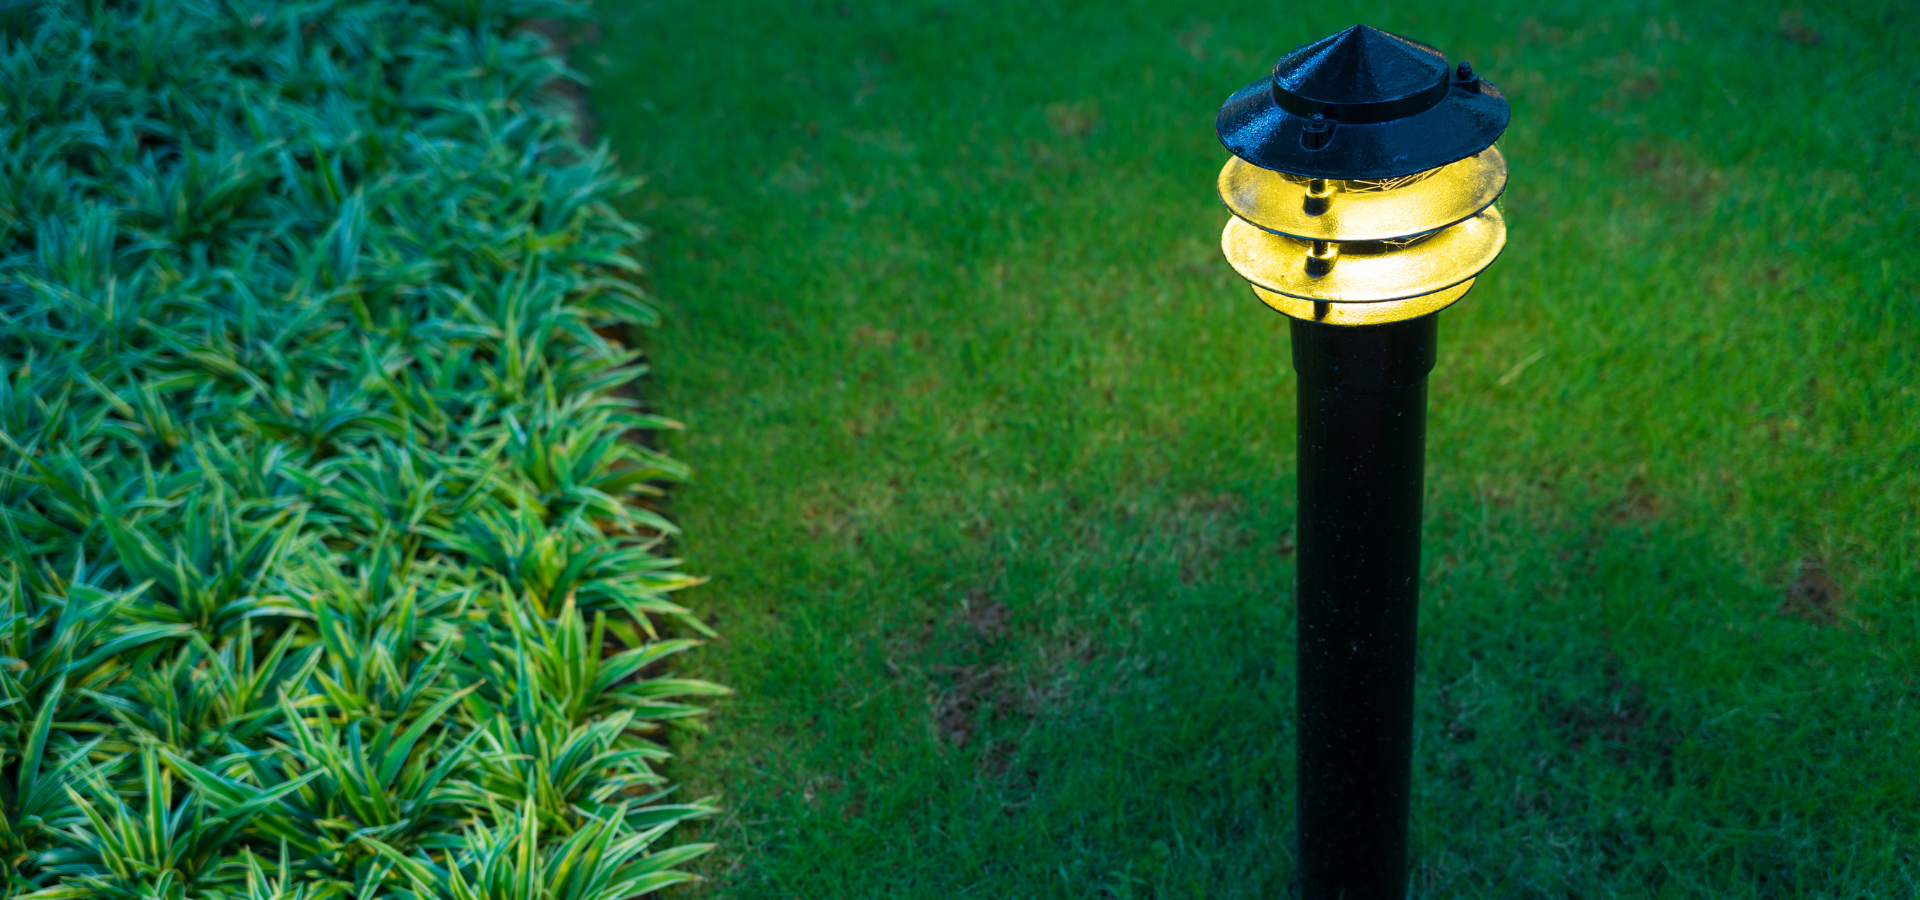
1279	264
1277	202
1363	313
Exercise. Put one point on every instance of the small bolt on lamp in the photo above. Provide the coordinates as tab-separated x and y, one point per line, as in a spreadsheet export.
1362	186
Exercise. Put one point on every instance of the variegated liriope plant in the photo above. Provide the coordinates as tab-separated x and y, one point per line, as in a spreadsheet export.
327	567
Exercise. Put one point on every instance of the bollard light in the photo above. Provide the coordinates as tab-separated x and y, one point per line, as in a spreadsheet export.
1362	186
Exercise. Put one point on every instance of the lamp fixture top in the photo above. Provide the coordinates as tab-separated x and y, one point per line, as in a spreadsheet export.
1362	104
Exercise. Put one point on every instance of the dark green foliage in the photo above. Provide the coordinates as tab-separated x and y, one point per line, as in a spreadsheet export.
326	567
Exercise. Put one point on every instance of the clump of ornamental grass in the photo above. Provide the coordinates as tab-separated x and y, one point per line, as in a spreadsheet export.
327	567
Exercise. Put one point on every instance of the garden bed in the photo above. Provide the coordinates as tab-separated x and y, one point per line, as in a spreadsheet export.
327	559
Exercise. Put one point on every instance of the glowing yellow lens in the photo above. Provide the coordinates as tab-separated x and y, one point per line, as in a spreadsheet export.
1363	211
1365	272
1363	313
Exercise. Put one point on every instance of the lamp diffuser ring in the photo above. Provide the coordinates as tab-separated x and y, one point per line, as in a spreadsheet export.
1363	210
1363	313
1365	272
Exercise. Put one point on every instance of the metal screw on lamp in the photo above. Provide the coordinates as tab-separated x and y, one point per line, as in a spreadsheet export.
1362	186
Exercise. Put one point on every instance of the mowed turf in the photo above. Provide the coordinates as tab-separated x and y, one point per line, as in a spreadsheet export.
995	454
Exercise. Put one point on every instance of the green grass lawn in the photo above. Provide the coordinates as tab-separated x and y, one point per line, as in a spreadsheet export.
995	453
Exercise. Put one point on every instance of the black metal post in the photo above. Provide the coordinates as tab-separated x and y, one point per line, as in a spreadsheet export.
1363	185
1362	440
